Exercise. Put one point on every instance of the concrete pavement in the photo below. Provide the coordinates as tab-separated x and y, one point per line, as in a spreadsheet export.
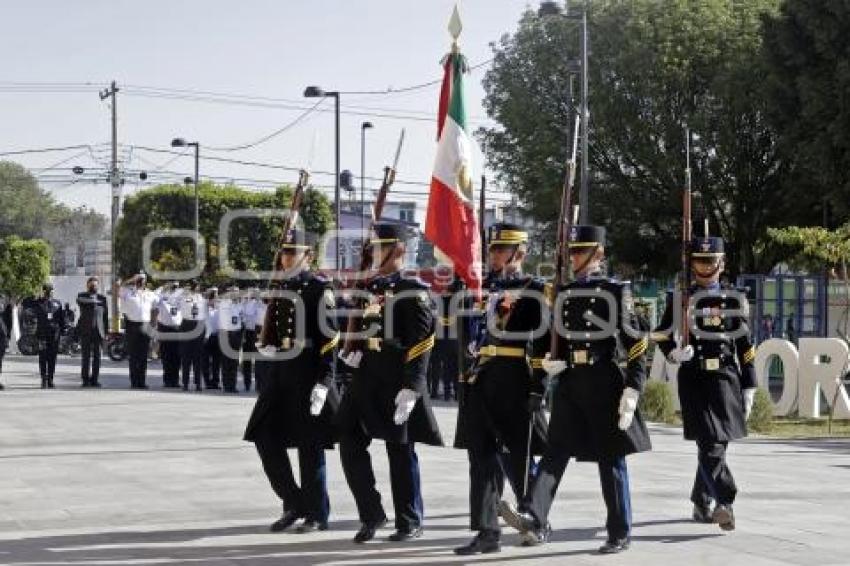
115	476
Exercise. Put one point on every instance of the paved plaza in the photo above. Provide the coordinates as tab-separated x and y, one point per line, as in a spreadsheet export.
115	476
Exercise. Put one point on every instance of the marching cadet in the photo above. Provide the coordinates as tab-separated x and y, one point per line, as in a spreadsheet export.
169	318
251	311
50	323
192	329
230	337
211	359
504	395
594	412
298	400
388	397
137	302
716	393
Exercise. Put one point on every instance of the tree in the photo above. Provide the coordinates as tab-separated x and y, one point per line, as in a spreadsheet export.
655	69
24	266
26	207
251	242
808	56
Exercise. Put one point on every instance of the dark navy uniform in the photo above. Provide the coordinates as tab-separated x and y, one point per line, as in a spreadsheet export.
712	383
443	367
502	409
50	323
394	358
585	404
281	418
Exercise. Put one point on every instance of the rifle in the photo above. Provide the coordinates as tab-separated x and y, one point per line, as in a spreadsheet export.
687	228
366	253
565	221
288	222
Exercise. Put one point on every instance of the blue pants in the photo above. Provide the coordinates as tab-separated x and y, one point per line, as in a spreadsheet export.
614	477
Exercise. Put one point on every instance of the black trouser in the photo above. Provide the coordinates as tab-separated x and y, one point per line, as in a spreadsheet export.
230	360
47	352
310	500
487	472
138	342
211	362
169	353
90	345
191	346
249	347
714	481
613	476
404	481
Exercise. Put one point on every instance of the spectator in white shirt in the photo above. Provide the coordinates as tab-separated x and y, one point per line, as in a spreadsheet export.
193	307
137	302
230	337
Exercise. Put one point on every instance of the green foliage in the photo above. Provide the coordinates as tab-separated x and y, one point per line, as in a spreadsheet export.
814	246
761	419
252	241
24	266
655	68
809	62
656	402
25	207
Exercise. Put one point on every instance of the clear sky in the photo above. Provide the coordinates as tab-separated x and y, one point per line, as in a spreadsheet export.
257	48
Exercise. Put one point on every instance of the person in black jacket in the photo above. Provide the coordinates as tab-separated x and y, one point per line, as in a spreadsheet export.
600	372
50	318
298	400
92	329
716	379
5	333
504	395
388	395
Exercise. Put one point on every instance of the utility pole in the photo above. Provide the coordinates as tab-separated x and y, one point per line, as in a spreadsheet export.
115	183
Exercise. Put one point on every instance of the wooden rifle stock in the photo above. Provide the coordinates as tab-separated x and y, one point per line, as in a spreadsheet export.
288	222
563	230
366	254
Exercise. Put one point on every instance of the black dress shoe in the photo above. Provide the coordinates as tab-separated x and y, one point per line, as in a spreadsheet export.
402	535
309	525
702	514
484	542
725	517
287	520
615	546
367	531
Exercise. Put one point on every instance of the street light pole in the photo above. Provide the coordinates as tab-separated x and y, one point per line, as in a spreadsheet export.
585	121
363	127
317	92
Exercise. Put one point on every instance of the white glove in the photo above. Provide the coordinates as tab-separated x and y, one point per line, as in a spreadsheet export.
553	367
404	403
628	405
353	358
678	355
317	399
749	399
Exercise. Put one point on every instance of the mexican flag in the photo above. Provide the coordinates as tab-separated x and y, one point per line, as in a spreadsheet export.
451	224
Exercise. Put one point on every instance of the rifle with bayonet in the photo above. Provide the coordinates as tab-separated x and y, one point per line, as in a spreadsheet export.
366	254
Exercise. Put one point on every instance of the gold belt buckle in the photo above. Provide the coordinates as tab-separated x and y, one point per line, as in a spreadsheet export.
579	357
712	364
374	344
